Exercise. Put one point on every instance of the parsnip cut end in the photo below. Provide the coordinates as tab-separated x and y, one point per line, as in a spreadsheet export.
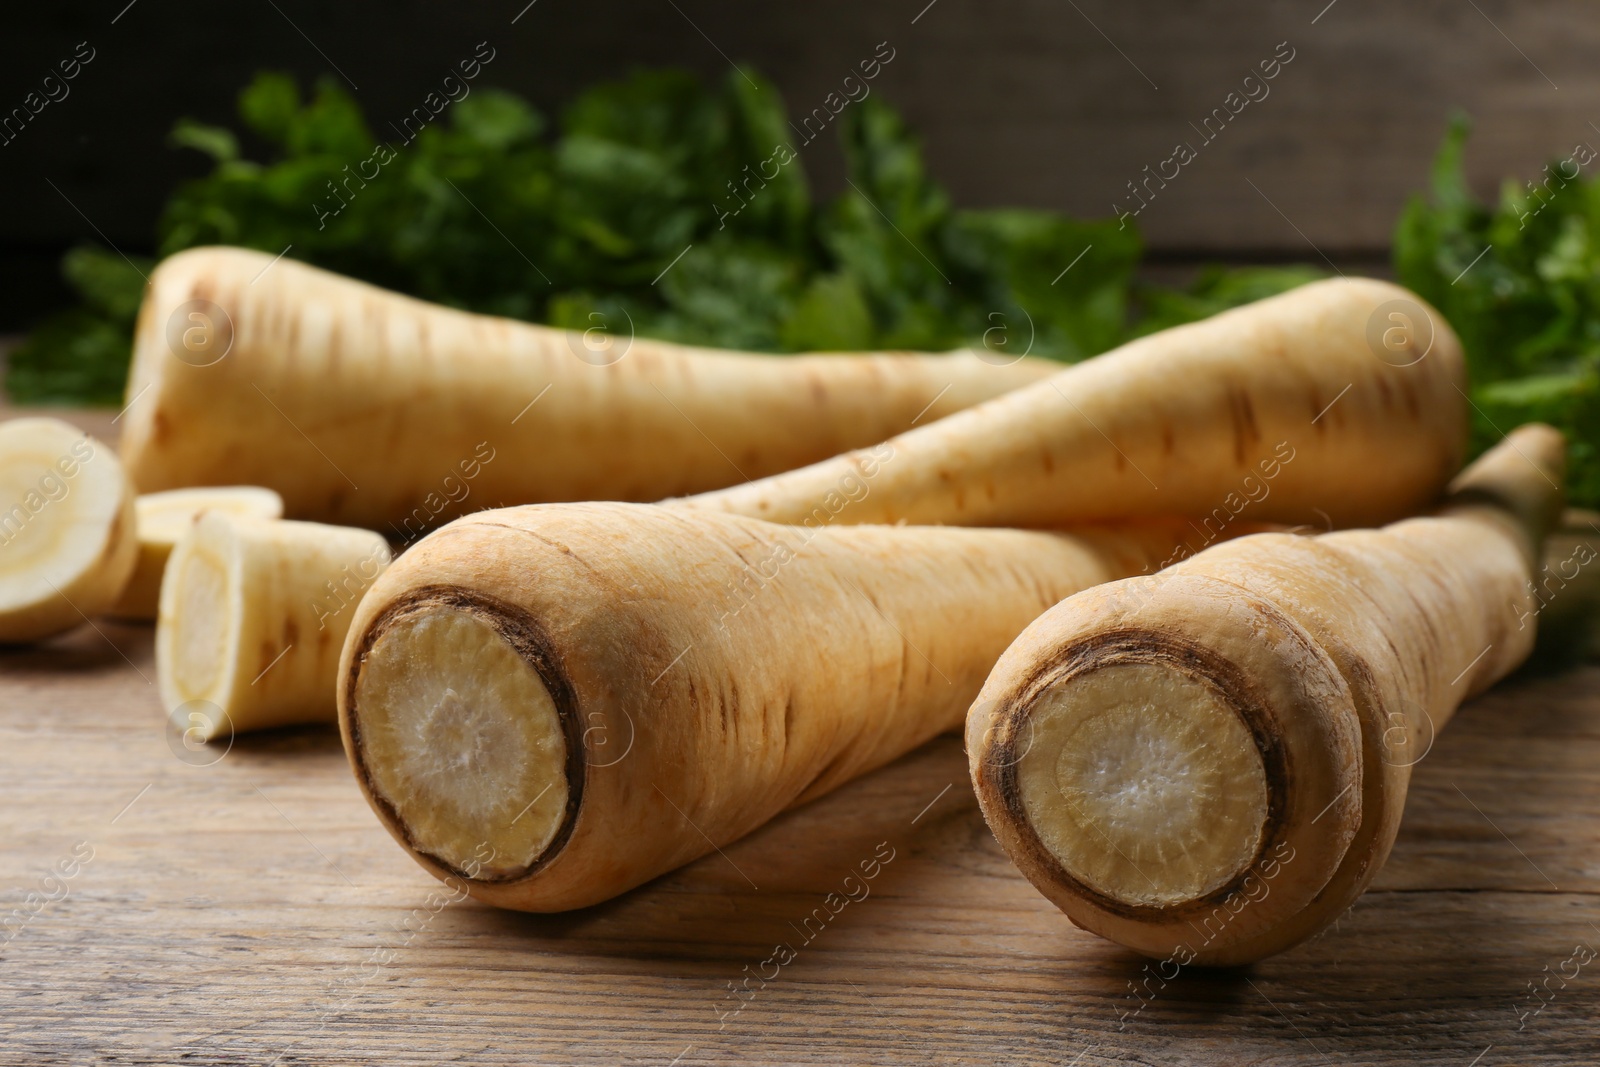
162	521
66	537
462	740
165	517
1143	784
198	635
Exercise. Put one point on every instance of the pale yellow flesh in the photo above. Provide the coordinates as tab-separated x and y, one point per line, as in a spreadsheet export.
162	521
65	544
460	737
1143	784
53	536
203	626
198	635
252	616
165	517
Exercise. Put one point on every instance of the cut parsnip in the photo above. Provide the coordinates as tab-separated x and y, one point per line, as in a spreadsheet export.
253	615
433	412
557	703
1340	401
163	519
67	541
1209	764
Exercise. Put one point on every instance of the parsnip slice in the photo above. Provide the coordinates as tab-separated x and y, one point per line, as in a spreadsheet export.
163	519
253	615
67	541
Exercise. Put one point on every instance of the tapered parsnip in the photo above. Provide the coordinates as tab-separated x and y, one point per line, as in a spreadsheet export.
1340	400
163	519
1209	764
1567	592
576	698
66	528
253	615
363	406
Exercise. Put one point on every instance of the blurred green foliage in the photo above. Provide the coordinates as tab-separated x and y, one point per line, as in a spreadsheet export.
489	208
1520	282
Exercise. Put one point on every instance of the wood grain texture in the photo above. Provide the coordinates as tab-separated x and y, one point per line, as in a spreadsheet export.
1047	104
1020	102
252	911
244	907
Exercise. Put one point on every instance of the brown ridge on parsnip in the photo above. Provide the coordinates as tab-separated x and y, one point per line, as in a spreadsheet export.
524	633
1142	646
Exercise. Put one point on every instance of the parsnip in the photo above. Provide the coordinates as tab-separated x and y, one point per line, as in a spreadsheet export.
1209	764
580	697
1341	400
253	615
67	541
362	406
162	519
1567	591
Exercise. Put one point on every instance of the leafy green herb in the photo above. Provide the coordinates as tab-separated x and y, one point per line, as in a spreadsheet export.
1520	282
1216	289
679	208
81	355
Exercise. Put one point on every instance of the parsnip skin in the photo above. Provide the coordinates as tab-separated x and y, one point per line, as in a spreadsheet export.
1342	654
162	519
1175	422
365	407
710	671
253	616
1566	595
67	543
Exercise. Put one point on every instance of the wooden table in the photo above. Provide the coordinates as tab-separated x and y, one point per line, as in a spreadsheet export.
248	909
251	911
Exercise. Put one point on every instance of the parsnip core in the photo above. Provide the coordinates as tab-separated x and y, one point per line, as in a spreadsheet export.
461	738
1143	783
198	632
203	625
31	546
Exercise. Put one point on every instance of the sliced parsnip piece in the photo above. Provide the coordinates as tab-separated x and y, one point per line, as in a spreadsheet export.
253	616
164	518
67	541
1210	764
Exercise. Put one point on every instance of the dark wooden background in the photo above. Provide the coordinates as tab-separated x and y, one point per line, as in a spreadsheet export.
1054	103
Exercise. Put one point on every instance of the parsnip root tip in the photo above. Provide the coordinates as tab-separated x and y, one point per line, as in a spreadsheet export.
464	734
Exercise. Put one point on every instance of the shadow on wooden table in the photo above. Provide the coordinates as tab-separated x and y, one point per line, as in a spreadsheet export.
224	888
105	646
812	875
1436	958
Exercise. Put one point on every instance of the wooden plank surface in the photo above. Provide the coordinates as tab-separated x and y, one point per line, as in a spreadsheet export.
246	908
243	906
